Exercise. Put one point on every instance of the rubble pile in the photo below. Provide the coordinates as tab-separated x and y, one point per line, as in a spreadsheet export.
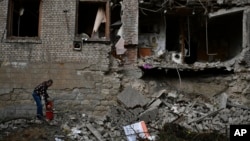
196	113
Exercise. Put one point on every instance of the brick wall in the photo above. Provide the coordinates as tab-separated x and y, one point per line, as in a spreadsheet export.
130	19
74	88
3	18
57	36
131	55
80	79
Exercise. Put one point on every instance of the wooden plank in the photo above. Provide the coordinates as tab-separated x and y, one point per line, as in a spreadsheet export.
95	132
201	118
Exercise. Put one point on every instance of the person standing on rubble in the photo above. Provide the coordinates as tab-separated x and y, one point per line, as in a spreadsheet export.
41	90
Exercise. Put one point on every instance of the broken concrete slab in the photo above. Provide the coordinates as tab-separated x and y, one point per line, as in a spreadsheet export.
223	100
156	103
156	98
159	93
149	114
132	98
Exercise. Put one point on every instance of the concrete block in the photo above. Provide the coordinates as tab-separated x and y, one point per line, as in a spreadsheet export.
222	100
149	114
156	103
132	98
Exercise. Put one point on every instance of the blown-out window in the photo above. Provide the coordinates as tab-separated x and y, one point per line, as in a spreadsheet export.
23	18
199	38
93	20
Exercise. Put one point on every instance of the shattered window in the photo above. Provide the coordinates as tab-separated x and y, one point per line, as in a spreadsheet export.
23	18
93	20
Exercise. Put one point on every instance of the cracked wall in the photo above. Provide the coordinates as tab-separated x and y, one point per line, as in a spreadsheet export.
88	78
81	79
75	87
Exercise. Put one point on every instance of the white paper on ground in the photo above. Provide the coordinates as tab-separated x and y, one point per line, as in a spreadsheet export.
136	129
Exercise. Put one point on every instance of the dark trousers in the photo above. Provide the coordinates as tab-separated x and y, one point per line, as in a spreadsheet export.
39	105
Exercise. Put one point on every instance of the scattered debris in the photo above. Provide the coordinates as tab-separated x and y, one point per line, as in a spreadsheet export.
167	114
210	114
95	132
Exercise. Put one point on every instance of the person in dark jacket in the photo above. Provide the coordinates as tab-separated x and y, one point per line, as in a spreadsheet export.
41	90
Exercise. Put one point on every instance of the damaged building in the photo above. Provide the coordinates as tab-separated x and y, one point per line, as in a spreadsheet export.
94	49
194	34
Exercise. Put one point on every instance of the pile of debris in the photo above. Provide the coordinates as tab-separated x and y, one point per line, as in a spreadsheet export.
195	113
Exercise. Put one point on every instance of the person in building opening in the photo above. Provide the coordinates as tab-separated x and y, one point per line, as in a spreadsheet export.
41	90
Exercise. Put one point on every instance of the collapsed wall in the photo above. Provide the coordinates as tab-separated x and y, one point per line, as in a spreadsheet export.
193	37
87	77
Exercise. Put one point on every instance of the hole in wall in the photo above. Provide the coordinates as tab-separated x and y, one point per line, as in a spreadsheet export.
220	40
197	37
154	74
164	74
211	72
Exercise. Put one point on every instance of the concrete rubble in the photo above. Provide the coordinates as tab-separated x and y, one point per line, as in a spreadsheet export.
132	98
165	106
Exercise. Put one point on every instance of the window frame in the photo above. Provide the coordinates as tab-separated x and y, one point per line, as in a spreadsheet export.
107	24
10	34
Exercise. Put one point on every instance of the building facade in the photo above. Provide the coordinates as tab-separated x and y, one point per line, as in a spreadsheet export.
83	44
